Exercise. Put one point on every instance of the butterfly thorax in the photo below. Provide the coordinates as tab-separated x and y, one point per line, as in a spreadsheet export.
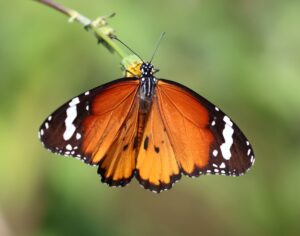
148	81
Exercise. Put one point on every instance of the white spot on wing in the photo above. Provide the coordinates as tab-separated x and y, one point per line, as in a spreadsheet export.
46	125
49	118
78	136
217	109
215	153
87	93
248	152
42	132
74	102
69	147
71	116
227	120
213	123
227	134
222	166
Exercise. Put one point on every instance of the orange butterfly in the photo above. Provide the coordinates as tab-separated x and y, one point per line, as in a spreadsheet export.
148	128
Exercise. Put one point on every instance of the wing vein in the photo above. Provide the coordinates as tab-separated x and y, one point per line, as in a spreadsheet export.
168	128
167	96
126	118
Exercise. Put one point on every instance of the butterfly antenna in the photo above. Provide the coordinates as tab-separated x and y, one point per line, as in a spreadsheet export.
157	45
128	48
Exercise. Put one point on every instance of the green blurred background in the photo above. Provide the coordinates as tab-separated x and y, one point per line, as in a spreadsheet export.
242	55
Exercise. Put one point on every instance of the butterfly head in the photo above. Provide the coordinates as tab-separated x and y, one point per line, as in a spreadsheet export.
147	69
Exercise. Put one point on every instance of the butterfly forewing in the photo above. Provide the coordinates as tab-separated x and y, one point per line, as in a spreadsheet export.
204	139
86	126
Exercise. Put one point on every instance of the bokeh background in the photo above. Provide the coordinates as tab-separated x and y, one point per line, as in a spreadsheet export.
242	55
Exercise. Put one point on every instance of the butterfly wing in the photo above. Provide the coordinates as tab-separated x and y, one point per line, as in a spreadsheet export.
203	138
98	127
157	168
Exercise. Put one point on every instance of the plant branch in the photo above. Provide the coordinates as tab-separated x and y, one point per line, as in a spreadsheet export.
102	31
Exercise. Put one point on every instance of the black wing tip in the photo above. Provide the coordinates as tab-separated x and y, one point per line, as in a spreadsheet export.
157	188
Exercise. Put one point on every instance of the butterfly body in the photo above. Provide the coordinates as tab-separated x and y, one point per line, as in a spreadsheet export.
153	129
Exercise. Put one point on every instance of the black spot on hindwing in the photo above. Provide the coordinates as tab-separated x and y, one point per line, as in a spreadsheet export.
146	143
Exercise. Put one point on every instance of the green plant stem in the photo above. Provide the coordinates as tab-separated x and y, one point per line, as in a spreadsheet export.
101	32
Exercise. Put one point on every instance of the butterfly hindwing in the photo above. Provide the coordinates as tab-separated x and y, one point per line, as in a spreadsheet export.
157	168
204	139
118	165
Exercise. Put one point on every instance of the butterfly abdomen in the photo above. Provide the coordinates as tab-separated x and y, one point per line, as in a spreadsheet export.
145	107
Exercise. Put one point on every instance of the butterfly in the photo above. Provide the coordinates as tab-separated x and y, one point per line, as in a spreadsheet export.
152	129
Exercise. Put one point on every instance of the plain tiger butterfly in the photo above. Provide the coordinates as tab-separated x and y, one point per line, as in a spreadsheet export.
152	129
